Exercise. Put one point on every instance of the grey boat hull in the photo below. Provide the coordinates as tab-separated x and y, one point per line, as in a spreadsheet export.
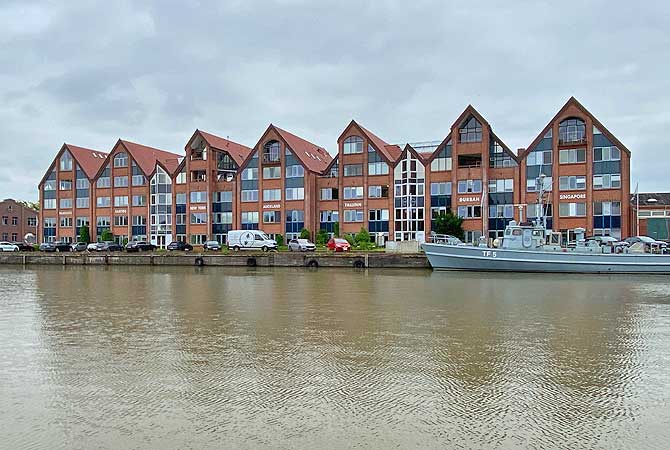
457	257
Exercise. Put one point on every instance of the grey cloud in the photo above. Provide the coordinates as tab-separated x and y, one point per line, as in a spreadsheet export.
88	72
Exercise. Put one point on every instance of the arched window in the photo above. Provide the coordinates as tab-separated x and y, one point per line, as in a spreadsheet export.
121	159
471	131
571	130
353	144
271	152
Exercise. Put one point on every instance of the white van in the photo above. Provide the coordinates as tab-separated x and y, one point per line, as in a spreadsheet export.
250	240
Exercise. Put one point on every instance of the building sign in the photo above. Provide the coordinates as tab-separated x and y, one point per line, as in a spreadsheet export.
572	196
120	211
64	213
353	205
469	199
272	206
198	208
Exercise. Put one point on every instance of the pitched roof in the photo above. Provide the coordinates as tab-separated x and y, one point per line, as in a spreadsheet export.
313	157
88	159
147	157
662	198
238	152
390	152
586	112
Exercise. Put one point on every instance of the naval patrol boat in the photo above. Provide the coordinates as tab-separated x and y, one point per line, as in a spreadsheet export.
530	247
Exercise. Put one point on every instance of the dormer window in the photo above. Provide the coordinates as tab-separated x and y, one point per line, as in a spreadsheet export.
271	152
121	160
571	130
471	131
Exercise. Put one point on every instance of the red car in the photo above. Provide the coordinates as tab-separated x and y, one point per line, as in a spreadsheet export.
338	245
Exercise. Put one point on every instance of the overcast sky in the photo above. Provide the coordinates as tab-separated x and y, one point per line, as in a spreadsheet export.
90	72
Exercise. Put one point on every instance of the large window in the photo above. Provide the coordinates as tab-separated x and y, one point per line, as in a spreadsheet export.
470	211
103	201
249	217
572	209
376	164
295	193
199	197
469	186
572	183
571	130
531	185
271	152
121	160
121	181
198	218
498	156
501	211
65	185
606	154
506	185
271	195
607	181
442	188
351	215
539	158
353	192
271	217
66	162
139	200
295	171
271	172
353	170
250	173
378	191
121	200
572	156
442	161
120	221
471	131
329	194
352	144
249	195
82	202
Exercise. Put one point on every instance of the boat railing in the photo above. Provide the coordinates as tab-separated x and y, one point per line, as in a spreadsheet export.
436	238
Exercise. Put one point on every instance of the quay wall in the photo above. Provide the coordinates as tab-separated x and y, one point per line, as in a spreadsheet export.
271	259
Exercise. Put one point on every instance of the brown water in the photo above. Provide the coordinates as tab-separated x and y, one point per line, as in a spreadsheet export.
200	358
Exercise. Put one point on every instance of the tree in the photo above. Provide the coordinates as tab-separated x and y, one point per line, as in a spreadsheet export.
449	223
350	239
107	235
304	233
362	237
322	237
84	234
336	229
280	240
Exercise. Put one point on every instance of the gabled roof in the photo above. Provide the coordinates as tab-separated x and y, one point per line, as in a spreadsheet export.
238	152
514	156
147	157
572	101
88	159
467	112
420	156
314	158
390	152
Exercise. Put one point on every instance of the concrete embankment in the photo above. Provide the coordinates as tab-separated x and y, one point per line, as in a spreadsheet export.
270	259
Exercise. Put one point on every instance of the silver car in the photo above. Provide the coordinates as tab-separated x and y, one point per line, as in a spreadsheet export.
301	245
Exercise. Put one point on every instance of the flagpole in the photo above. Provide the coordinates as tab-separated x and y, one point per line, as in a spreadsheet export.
637	208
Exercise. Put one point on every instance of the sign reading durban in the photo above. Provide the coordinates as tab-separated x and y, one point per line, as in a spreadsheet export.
572	196
469	199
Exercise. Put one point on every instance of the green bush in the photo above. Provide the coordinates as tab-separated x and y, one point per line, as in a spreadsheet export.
321	237
362	237
107	235
280	240
305	234
350	239
449	223
84	234
336	229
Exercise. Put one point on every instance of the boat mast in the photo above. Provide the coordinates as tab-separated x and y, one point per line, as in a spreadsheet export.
539	183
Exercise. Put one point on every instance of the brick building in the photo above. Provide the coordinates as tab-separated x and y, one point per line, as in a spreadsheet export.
17	221
285	183
650	215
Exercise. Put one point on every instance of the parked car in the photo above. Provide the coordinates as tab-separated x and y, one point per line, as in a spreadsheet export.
338	245
47	247
212	246
301	245
180	245
93	246
63	246
111	246
79	246
140	246
24	246
250	240
8	247
648	244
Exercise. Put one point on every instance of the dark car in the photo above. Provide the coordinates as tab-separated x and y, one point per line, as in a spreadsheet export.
47	247
63	246
212	246
109	246
179	245
24	246
140	246
79	246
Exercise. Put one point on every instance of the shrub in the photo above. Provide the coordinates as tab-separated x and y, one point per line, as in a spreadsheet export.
362	237
305	234
280	240
350	239
107	235
322	237
84	235
449	223
336	229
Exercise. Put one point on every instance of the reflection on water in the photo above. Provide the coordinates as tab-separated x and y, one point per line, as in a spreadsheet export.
199	358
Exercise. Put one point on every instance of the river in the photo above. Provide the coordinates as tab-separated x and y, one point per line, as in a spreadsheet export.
204	358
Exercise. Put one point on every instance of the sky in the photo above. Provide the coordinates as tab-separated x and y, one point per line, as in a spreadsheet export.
91	72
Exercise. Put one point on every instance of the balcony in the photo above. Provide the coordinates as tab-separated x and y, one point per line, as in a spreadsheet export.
469	161
271	158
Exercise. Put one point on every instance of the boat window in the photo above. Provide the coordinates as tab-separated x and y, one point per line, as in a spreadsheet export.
508	232
516	232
